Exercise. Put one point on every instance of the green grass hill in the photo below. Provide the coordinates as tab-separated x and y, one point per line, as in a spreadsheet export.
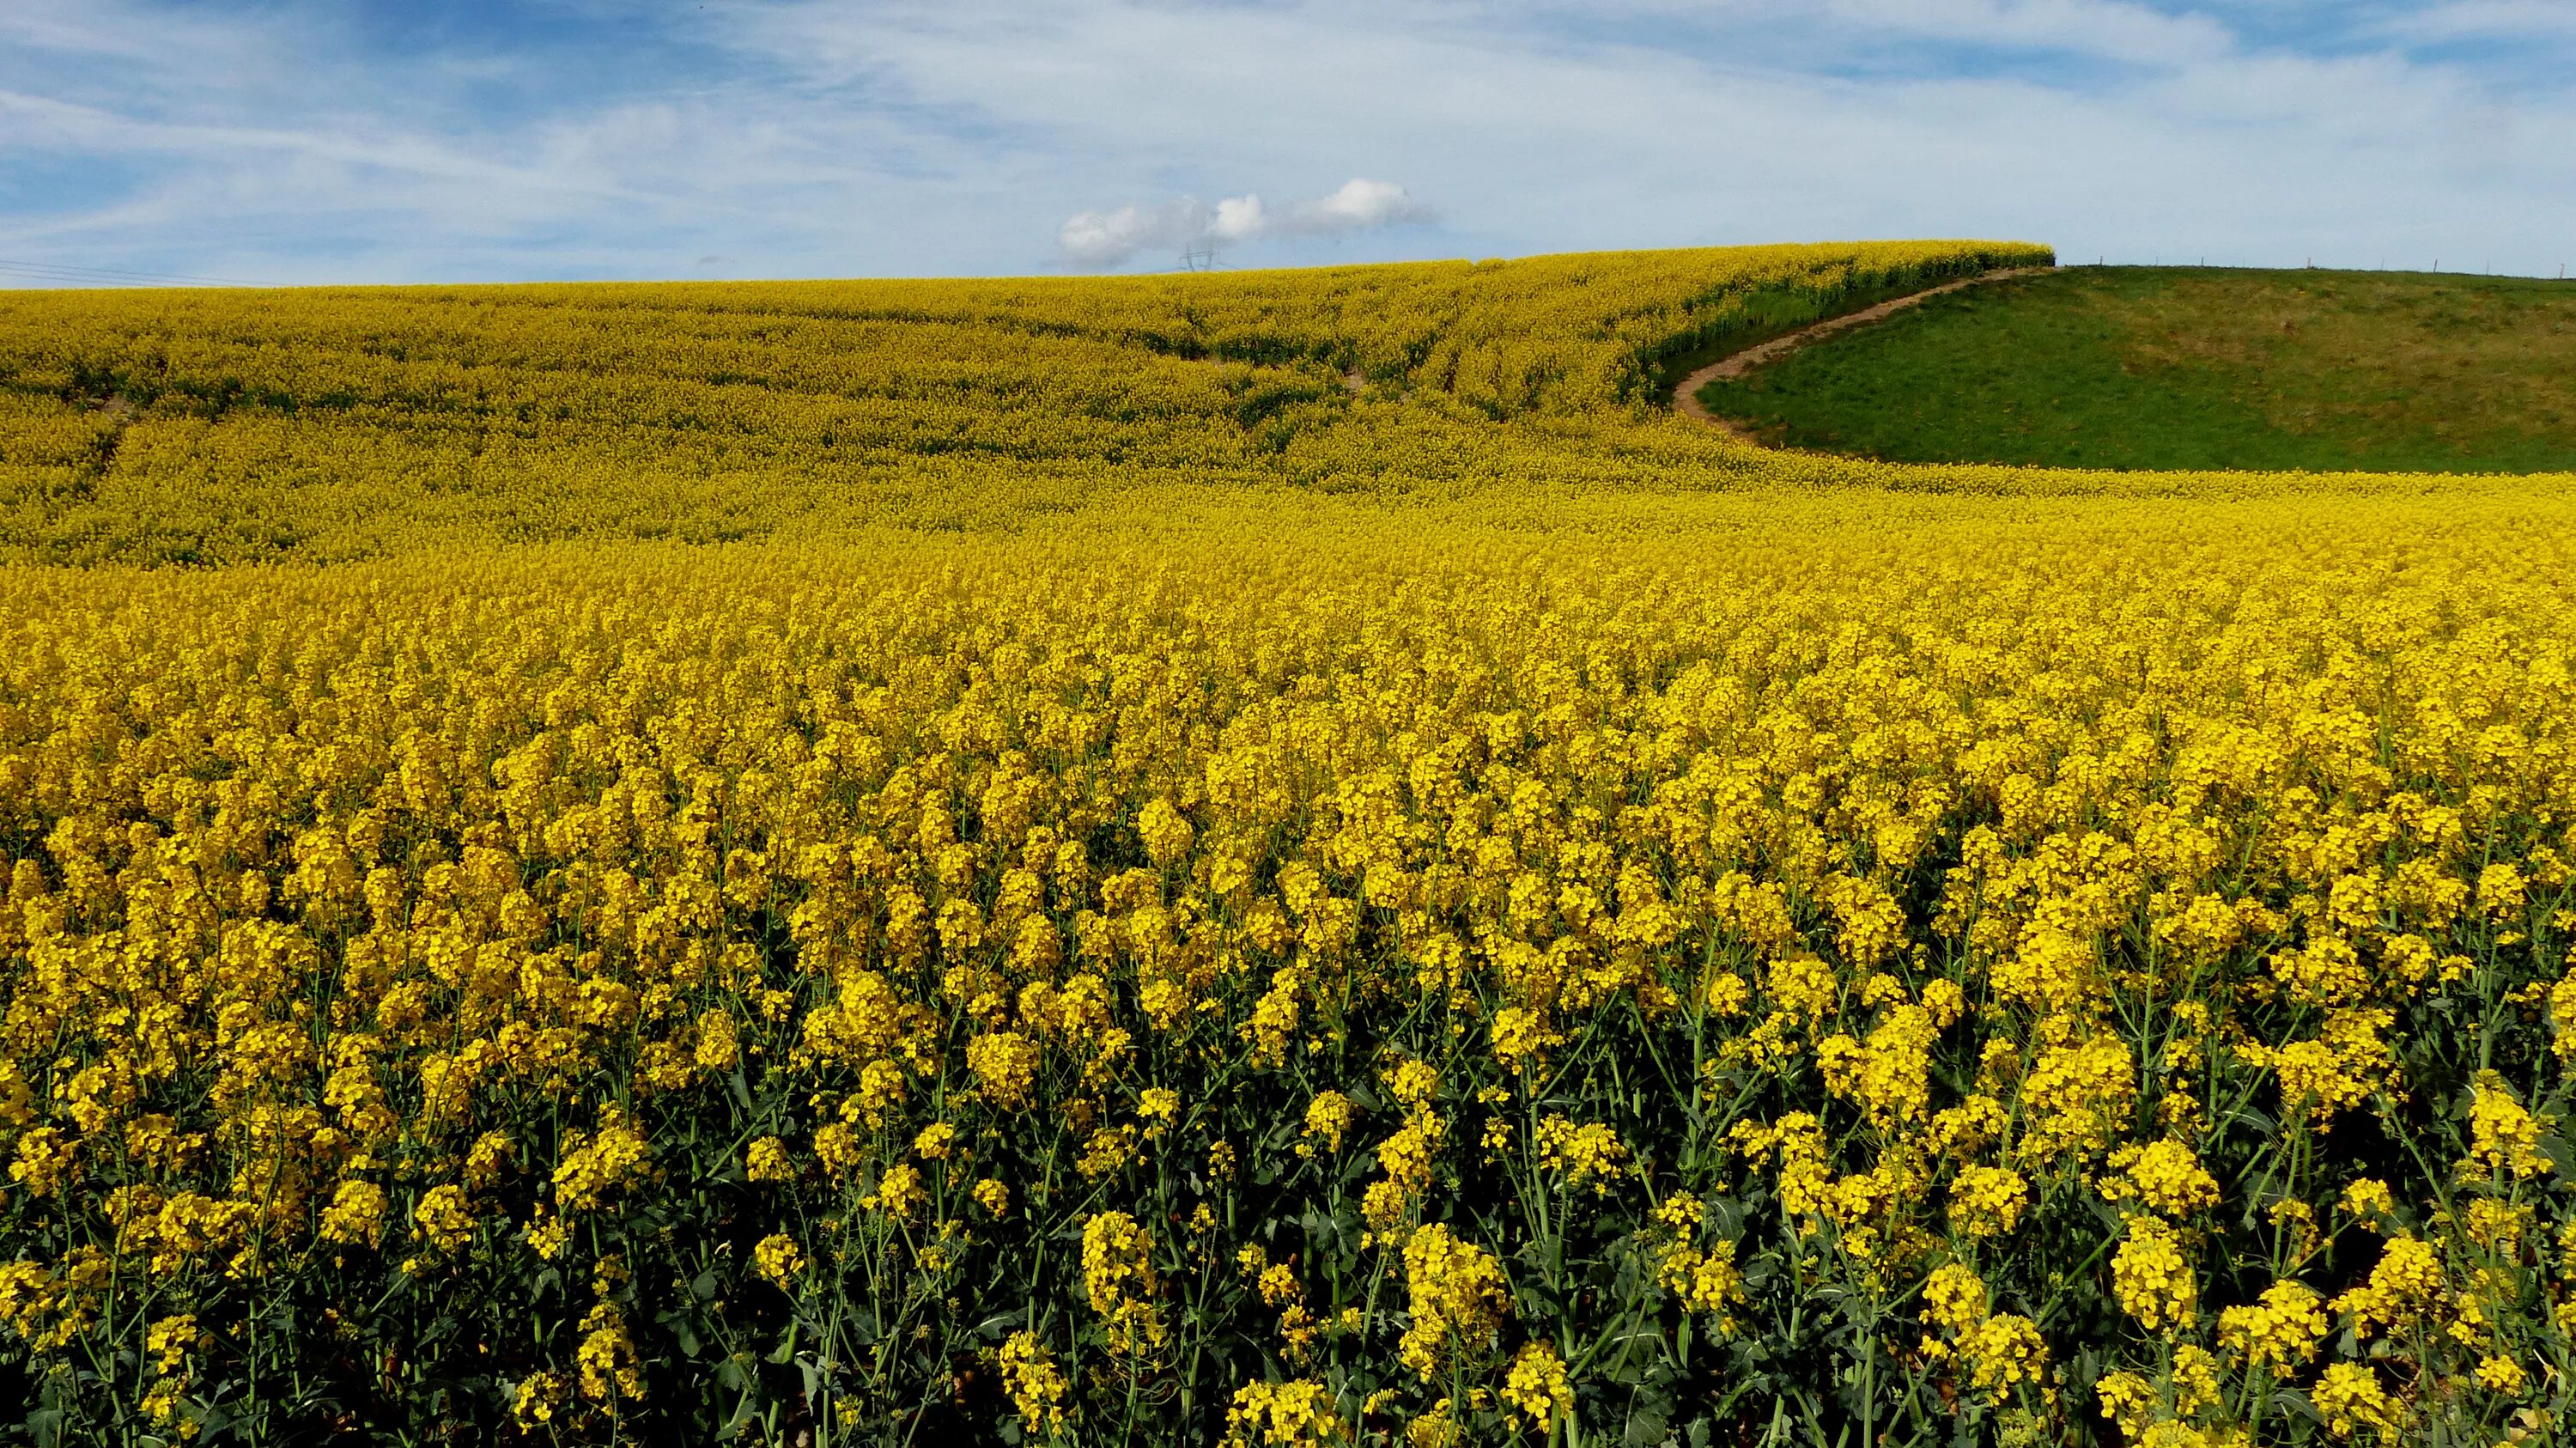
2167	367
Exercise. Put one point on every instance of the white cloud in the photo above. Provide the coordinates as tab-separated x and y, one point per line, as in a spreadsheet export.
1115	238
1241	218
1360	205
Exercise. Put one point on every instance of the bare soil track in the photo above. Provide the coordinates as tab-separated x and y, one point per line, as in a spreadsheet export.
1686	393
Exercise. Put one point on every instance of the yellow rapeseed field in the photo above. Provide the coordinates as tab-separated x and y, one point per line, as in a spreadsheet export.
1282	859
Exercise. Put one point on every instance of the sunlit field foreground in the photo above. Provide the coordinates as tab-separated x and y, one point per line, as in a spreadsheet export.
1688	945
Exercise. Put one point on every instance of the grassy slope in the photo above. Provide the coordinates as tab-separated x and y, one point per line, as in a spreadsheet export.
2136	367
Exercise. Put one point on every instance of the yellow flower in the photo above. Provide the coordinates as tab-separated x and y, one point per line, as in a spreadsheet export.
483	1160
2154	1283
1119	1279
1704	1281
2504	1138
1167	835
2164	1175
2280	1332
2502	1375
1954	1297
548	1235
2002	1351
2078	1095
2195	1380
1328	1118
47	1160
2348	1397
442	1217
899	1193
1295	1414
535	1401
778	1259
168	1339
1005	1064
717	1049
2495	1225
838	1146
592	1168
2500	889
1521	1037
1456	1293
766	1160
610	1369
2128	1400
1537	1391
356	1214
161	1405
2368	1198
1590	1153
2407	1280
1987	1201
1888	1074
1036	1388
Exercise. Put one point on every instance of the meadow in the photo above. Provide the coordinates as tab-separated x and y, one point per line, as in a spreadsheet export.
1280	859
2189	367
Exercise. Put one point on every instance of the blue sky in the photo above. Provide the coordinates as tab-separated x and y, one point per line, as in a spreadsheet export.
365	140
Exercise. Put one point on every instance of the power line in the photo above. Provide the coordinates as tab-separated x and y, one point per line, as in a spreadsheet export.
113	276
123	273
87	276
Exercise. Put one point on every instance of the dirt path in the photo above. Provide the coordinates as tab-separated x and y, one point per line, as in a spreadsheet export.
1686	395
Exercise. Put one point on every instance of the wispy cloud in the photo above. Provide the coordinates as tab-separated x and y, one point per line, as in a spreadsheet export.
2134	33
2483	20
840	137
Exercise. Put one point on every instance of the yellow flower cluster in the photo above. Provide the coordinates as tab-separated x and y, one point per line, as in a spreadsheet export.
610	1368
1586	1154
1295	1414
2279	1332
594	1166
1118	1277
2165	1176
2351	1401
2504	1138
2001	1350
778	1259
1987	1201
1328	1120
1036	1386
2408	1280
1457	1298
2153	1279
1537	1391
